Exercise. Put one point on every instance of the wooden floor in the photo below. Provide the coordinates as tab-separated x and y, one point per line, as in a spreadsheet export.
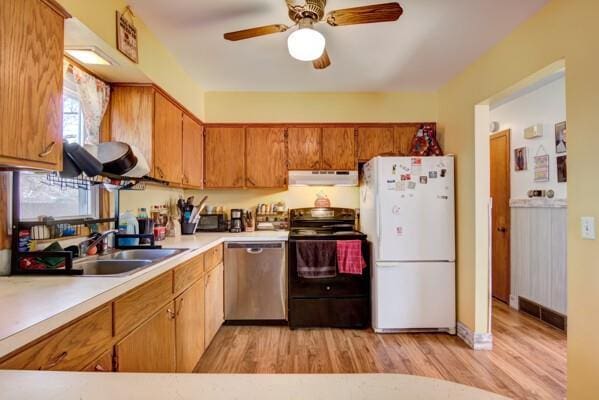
528	360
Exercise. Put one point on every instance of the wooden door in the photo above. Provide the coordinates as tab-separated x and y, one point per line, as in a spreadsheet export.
168	130
374	141
193	153
266	157
402	138
190	327
224	157
214	306
500	193
305	148
151	347
31	70
339	149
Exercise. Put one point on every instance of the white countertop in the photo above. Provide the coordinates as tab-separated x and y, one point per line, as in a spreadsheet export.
36	305
116	386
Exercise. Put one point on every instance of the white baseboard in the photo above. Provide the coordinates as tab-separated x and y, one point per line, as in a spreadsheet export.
475	340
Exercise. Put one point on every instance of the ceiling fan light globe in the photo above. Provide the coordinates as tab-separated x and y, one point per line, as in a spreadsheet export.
306	44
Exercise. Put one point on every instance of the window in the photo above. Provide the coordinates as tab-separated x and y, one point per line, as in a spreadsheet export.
40	199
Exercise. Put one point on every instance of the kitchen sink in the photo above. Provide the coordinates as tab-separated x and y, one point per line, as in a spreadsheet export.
143	254
111	267
123	262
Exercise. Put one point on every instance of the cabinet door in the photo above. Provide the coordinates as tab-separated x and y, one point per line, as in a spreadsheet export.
224	157
151	347
132	118
403	136
193	153
214	306
190	327
168	130
102	364
305	148
374	141
266	158
31	54
339	149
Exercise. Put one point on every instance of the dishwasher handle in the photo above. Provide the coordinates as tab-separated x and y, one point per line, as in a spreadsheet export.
255	245
254	250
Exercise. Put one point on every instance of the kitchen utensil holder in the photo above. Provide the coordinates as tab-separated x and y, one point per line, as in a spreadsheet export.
188	228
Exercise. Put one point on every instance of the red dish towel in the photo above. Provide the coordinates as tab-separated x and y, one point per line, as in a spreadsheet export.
349	257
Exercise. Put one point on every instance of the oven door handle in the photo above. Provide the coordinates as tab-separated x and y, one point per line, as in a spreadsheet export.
254	251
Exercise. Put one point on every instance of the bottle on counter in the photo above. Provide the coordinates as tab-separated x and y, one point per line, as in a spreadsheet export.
128	225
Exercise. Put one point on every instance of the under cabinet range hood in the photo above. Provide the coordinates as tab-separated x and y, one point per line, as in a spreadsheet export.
323	178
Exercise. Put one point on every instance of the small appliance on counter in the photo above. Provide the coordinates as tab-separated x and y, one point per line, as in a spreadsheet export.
237	217
212	222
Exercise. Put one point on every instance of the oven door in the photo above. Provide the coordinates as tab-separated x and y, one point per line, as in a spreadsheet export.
342	285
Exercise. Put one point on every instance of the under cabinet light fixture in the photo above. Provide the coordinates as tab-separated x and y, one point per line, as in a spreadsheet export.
90	55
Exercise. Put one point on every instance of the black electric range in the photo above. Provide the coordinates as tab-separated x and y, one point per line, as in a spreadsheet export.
342	301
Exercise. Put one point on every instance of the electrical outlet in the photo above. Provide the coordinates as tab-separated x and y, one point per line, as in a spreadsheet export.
587	225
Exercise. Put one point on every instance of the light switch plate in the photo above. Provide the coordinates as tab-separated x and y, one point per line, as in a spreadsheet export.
587	226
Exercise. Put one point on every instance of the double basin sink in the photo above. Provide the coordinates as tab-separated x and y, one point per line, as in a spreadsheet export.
123	262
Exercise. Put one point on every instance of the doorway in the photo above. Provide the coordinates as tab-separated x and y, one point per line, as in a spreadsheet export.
500	217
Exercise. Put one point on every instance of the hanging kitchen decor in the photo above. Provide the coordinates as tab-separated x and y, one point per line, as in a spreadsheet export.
541	165
126	35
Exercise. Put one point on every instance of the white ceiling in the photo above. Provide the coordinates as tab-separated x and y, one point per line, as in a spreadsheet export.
432	42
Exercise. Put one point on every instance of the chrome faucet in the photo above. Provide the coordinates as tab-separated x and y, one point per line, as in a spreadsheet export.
87	243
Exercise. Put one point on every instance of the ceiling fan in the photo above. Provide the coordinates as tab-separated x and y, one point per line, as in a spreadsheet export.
306	43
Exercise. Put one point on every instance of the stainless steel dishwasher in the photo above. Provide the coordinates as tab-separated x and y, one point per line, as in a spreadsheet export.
255	281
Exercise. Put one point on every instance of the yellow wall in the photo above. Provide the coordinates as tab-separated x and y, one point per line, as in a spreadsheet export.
155	60
320	107
563	29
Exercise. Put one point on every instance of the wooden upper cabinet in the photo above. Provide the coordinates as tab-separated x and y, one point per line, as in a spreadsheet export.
266	157
192	153
374	141
31	71
132	118
305	148
168	128
224	157
151	347
402	138
339	149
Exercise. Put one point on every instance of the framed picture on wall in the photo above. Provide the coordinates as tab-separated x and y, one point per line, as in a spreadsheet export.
562	170
542	168
520	159
560	138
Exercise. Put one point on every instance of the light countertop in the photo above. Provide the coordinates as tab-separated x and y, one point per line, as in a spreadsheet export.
36	305
116	386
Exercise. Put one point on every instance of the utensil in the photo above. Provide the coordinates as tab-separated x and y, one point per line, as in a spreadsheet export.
83	159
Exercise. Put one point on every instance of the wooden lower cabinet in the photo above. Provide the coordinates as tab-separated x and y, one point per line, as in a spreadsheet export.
189	326
102	364
150	347
70	349
214	306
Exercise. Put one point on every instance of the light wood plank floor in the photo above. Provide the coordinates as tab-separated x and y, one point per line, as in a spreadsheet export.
528	360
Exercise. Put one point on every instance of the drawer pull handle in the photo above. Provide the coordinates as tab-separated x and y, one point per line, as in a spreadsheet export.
171	313
48	150
99	368
56	361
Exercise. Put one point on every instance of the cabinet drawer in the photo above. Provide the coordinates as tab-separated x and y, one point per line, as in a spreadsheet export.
138	305
70	349
213	257
188	273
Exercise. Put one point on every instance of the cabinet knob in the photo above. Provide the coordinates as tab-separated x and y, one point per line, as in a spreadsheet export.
171	313
48	150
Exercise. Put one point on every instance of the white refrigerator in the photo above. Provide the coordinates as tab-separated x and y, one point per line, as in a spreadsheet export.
407	210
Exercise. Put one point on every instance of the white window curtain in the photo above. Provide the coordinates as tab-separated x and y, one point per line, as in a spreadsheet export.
95	95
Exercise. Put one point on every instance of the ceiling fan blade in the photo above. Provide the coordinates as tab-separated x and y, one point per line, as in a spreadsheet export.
365	15
255	32
323	61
